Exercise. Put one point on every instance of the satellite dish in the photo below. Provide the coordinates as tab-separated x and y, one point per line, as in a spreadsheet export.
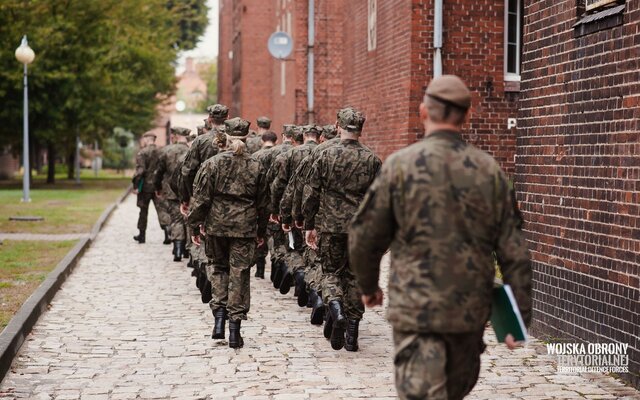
280	45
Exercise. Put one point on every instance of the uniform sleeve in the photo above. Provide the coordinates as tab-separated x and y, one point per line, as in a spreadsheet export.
202	197
299	180
189	170
371	231
280	180
286	202
511	248
139	172
159	172
311	195
262	204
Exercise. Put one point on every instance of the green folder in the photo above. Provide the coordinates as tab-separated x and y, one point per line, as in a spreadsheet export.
140	183
505	315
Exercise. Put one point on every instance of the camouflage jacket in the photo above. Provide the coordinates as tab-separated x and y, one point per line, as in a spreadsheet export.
443	207
337	183
282	187
254	143
146	161
169	160
229	197
202	149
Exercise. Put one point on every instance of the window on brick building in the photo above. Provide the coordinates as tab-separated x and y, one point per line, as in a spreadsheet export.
372	25
512	39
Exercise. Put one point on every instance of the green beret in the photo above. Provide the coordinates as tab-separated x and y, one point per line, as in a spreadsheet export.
264	122
218	111
237	127
329	131
351	119
180	131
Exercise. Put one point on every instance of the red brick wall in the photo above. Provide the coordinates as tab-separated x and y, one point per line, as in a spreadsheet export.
224	47
578	174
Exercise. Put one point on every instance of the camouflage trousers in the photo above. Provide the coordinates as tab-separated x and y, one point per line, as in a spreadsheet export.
338	281
313	269
162	208
295	257
177	226
231	260
437	366
143	200
277	245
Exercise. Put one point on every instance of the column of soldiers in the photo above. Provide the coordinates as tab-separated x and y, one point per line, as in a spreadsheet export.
238	197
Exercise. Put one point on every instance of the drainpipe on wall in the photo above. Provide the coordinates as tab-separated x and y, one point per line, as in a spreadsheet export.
310	63
437	39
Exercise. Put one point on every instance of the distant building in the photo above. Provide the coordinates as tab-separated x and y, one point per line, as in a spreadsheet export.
192	89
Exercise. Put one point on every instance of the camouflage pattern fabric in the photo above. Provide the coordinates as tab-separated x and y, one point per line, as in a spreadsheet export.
443	207
170	159
337	183
230	260
437	366
338	282
146	161
313	269
229	197
162	209
254	144
202	149
177	228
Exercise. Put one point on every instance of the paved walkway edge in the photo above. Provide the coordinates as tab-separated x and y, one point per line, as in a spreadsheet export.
21	324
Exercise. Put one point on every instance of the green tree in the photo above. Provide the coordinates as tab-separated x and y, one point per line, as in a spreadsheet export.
210	76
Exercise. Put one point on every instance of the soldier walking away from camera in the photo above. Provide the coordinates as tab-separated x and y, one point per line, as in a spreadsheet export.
255	143
229	205
169	160
338	181
146	161
443	207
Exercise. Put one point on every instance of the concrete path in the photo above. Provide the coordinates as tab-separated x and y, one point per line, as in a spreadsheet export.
129	324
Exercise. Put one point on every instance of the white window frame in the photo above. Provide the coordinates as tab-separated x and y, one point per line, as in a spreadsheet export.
511	76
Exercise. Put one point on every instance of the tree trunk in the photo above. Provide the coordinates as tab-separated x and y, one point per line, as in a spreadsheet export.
51	162
71	156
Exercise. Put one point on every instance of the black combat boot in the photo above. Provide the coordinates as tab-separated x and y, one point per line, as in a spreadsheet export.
277	277
200	277
328	324
351	341
195	264
260	263
166	234
177	250
185	252
206	294
220	316
272	275
235	340
339	325
190	262
301	289
140	237
317	310
287	279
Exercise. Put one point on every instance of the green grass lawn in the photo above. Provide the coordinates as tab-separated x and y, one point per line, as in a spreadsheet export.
66	206
23	266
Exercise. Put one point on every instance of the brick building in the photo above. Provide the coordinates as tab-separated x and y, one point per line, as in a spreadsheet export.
374	55
578	169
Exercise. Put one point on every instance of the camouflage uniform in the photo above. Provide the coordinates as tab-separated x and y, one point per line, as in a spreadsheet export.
338	181
230	202
146	161
265	157
254	143
443	207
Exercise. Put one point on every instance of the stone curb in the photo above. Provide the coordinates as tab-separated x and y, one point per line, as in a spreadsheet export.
21	324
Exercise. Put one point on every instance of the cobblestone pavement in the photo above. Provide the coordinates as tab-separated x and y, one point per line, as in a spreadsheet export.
129	324
43	236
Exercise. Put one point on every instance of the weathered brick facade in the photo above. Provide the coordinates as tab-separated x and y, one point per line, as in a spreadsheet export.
578	172
387	82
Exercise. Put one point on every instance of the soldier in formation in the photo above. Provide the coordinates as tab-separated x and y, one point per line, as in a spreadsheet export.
146	161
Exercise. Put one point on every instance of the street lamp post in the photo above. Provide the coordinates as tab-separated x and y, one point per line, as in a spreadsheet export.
25	55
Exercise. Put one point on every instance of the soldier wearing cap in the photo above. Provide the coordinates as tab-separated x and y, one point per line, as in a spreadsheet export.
279	242
337	183
284	166
443	207
146	161
170	158
255	143
229	205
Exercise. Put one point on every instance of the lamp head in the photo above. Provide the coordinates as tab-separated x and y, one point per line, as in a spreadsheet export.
24	53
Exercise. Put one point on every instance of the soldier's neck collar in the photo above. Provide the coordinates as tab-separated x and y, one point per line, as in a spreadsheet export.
446	134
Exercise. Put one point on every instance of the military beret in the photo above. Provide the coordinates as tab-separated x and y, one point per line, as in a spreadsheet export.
192	136
237	127
199	130
180	131
218	111
329	131
312	129
150	134
264	122
288	130
450	89
298	133
351	119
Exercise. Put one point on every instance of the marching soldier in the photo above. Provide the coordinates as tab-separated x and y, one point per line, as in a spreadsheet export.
255	143
444	207
146	161
338	181
170	159
229	203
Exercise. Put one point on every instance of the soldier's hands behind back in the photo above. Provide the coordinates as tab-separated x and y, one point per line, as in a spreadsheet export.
373	300
311	237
